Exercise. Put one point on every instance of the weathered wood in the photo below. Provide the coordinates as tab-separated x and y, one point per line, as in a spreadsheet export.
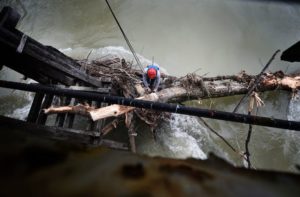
109	127
39	59
88	89
35	107
47	103
59	122
70	117
110	111
113	144
58	133
29	66
130	124
9	18
90	123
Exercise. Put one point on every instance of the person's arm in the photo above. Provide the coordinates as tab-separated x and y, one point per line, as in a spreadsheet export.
157	81
145	80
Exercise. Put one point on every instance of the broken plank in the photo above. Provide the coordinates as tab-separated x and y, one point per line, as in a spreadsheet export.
35	107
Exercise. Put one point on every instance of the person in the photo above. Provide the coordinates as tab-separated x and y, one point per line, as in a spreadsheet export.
151	78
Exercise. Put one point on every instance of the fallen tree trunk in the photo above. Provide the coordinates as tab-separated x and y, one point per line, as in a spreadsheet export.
220	115
200	89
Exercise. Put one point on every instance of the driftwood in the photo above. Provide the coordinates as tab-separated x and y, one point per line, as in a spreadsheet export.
206	90
127	83
163	107
78	109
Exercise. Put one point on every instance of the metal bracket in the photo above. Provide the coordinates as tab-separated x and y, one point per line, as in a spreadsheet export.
22	44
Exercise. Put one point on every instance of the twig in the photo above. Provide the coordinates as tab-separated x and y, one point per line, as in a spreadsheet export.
188	74
247	153
255	100
256	82
86	60
221	137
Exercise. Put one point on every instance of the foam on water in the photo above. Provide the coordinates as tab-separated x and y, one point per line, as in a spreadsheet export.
108	52
21	103
20	113
291	144
294	108
185	137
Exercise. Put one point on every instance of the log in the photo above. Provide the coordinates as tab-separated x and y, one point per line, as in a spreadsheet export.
214	114
218	87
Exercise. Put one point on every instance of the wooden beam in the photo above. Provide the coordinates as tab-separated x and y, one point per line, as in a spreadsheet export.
36	57
9	18
47	103
70	117
87	89
60	118
35	107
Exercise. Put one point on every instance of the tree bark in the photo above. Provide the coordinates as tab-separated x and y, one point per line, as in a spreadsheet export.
199	89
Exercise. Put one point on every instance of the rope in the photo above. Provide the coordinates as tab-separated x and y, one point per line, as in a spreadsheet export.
125	37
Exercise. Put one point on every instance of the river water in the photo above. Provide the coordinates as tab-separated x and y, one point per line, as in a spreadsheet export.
220	37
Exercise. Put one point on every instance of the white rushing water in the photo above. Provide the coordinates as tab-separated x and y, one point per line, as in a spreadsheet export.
221	37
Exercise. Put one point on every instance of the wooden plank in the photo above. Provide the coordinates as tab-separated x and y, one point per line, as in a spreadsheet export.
35	107
47	103
37	61
60	118
98	125
106	80
28	67
48	59
113	144
70	117
9	18
87	89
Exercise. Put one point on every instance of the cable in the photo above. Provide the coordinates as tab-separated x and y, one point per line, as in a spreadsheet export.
125	37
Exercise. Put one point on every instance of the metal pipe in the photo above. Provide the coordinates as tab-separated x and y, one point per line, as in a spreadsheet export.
173	108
